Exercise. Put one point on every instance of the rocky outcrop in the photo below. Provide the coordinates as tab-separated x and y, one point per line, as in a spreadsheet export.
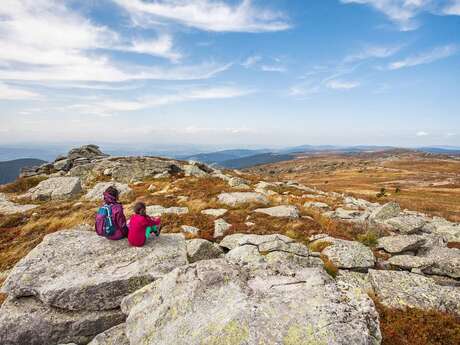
96	193
9	207
216	302
283	211
102	272
407	224
239	198
55	188
403	289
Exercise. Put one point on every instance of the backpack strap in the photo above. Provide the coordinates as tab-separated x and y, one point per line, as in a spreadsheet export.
109	213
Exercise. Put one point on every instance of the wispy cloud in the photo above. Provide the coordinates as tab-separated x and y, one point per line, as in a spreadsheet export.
264	64
404	12
251	61
437	53
163	46
207	15
106	107
422	134
342	85
12	93
370	52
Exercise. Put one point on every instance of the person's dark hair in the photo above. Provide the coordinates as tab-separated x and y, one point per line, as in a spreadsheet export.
139	208
113	192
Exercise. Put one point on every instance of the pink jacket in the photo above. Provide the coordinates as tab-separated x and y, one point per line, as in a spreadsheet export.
137	226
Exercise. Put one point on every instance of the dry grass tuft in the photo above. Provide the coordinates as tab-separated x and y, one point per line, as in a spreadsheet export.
369	238
453	245
417	327
3	296
22	185
329	266
318	246
12	220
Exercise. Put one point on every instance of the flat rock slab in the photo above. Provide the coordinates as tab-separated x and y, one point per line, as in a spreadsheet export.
96	193
445	262
239	198
28	321
400	243
216	302
113	336
349	254
386	211
215	212
55	188
79	270
9	207
407	224
283	211
404	289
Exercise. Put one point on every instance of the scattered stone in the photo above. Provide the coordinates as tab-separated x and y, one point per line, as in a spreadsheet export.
88	272
200	249
55	188
387	211
238	182
284	211
193	170
342	213
403	289
400	243
239	198
215	212
96	193
316	204
157	210
190	230
113	336
221	227
215	302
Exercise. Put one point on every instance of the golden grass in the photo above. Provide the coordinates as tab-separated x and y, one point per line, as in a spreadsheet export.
417	327
22	185
318	246
329	266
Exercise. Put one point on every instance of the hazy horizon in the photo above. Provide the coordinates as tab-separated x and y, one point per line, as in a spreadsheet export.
236	73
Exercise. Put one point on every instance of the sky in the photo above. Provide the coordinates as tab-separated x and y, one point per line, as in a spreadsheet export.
234	73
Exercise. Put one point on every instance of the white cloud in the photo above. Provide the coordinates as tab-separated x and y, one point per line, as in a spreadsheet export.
437	53
110	106
272	68
422	134
370	52
404	12
206	15
11	93
42	40
342	85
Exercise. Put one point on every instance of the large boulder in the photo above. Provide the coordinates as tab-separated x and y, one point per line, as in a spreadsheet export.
239	198
348	254
283	211
445	261
79	270
221	227
403	289
407	224
96	193
401	243
9	207
55	188
28	321
216	302
384	212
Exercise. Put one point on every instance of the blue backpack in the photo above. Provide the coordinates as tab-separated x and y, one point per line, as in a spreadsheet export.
104	222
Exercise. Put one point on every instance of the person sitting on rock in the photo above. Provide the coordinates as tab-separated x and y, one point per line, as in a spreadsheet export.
110	219
141	226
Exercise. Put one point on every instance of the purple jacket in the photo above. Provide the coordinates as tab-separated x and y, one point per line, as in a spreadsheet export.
118	216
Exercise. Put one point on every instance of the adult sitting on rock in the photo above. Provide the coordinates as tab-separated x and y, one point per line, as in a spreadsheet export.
110	219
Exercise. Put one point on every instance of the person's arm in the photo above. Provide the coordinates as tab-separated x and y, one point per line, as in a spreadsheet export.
120	222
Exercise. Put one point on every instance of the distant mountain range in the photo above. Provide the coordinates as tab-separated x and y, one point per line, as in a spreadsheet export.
10	170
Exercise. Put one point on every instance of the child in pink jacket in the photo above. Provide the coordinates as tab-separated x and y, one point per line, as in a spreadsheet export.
140	226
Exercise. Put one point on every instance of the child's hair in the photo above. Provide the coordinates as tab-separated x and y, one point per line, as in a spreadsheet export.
112	191
139	208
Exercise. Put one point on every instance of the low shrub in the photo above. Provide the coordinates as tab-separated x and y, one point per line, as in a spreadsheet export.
369	238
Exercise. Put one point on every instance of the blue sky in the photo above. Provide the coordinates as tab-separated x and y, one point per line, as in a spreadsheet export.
231	73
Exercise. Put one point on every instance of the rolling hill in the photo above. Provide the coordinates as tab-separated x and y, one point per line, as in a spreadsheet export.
9	170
